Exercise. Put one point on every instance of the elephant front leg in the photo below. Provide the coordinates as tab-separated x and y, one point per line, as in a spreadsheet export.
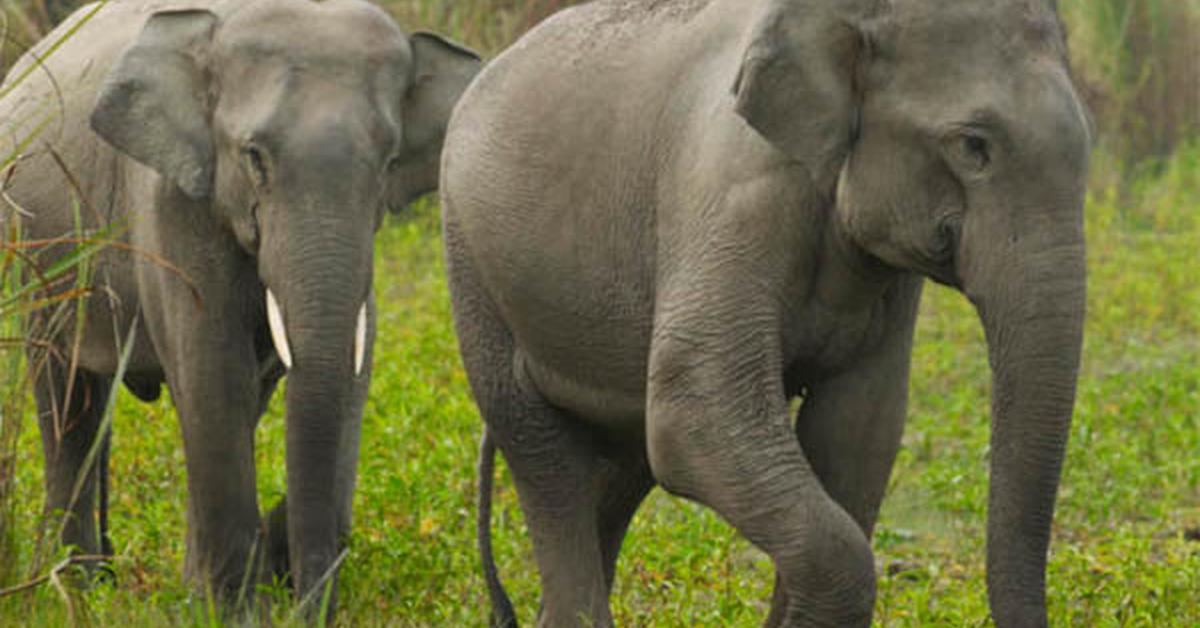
719	433
205	323
626	481
215	404
850	425
212	372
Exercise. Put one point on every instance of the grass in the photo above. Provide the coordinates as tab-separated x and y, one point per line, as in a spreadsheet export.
1131	490
1120	557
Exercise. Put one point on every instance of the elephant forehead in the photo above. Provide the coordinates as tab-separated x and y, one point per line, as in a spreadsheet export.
997	28
347	30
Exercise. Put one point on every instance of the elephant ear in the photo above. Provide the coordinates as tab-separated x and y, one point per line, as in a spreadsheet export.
153	106
796	83
442	70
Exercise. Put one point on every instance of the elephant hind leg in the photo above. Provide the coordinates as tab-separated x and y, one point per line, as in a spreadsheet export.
610	492
549	452
559	488
70	412
557	478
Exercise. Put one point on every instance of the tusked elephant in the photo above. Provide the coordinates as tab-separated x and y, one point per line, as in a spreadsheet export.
665	221
247	151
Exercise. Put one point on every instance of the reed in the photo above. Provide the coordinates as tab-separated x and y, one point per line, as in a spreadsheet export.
43	287
1137	63
1135	59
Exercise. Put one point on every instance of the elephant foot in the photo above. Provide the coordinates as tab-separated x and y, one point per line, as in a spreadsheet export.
83	572
275	565
101	573
89	567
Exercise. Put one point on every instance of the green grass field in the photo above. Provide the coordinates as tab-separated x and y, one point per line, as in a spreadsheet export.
1120	557
1125	549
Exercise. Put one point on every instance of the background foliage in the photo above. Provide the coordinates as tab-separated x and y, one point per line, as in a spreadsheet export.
1125	550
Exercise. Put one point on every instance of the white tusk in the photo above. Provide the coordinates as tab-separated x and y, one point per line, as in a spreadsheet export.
360	339
278	331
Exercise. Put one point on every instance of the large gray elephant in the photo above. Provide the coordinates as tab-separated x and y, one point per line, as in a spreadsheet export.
247	151
665	222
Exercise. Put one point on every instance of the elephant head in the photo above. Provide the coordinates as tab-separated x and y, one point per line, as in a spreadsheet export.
952	143
295	124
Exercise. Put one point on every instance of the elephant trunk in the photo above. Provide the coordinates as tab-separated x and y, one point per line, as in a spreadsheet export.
321	313
324	415
1029	287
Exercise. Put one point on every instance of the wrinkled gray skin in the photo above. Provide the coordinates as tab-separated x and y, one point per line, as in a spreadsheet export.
248	146
665	221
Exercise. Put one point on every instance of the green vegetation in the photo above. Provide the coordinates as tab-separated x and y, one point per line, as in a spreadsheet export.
1125	550
1135	60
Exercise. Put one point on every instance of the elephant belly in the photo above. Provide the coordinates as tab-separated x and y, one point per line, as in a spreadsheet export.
581	326
576	295
112	319
609	398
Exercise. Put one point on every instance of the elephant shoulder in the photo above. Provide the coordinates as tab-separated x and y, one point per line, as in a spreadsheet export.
592	28
643	12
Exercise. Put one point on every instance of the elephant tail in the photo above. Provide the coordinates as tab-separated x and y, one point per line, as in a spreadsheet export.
503	615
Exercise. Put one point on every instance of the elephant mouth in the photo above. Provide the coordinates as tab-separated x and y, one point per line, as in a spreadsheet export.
944	273
941	261
360	339
278	330
279	335
945	277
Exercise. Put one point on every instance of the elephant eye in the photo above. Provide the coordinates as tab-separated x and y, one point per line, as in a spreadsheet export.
256	163
394	163
976	146
972	152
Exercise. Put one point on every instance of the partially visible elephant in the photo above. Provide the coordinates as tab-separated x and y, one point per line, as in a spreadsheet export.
247	151
665	222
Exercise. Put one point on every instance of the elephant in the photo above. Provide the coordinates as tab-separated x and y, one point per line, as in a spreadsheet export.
665	223
242	155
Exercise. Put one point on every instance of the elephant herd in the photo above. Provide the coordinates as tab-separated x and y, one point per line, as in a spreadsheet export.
665	222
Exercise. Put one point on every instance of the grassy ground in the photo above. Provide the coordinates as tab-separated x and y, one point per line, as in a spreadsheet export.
1120	557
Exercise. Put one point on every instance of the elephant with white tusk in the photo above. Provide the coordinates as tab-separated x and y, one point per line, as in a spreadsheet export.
248	152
